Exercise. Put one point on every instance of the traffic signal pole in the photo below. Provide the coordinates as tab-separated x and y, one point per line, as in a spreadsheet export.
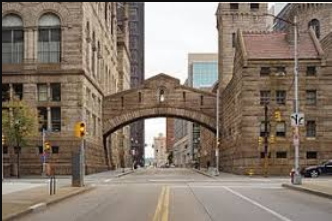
266	141
44	157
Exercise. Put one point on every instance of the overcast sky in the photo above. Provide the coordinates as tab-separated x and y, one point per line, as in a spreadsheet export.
172	30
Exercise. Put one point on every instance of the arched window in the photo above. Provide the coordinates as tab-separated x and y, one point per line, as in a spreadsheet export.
93	49
315	24
49	39
161	96
12	39
88	40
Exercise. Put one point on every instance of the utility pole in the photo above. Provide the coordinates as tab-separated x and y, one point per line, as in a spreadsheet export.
296	139
298	178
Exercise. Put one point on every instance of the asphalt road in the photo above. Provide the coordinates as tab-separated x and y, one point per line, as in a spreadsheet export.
183	195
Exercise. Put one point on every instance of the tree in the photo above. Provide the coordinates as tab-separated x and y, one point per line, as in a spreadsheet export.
19	124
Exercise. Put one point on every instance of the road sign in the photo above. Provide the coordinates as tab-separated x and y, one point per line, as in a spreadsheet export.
297	120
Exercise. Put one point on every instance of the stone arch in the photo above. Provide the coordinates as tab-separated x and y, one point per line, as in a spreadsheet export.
143	102
130	117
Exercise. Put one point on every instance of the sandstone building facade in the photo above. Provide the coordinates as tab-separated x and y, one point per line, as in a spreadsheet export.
64	58
262	73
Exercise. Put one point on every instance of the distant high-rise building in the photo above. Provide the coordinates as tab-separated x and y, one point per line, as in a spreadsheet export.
136	48
203	74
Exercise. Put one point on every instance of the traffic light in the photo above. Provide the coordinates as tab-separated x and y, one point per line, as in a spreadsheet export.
47	146
272	139
260	141
277	116
3	139
80	129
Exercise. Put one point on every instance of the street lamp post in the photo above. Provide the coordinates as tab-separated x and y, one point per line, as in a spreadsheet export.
297	179
3	143
218	139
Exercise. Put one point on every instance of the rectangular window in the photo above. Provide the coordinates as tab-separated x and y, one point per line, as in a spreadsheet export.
281	129
311	129
265	71
281	71
281	155
5	149
311	97
12	46
42	118
55	150
56	92
311	155
254	6
263	155
233	40
40	149
234	5
5	92
94	121
281	97
311	71
262	129
49	45
42	92
265	97
56	119
18	91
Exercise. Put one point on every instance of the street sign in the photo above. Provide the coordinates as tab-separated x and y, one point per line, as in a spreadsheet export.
217	153
297	120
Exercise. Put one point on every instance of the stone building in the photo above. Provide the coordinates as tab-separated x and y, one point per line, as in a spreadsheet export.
262	74
170	137
160	152
63	58
231	17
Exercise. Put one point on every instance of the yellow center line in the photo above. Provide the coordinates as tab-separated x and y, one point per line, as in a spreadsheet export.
166	205
159	206
162	210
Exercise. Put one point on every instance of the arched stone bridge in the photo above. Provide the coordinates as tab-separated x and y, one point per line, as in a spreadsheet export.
159	96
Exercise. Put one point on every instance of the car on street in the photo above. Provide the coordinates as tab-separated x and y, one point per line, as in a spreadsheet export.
315	171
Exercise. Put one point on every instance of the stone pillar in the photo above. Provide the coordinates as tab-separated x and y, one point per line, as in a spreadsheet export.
49	119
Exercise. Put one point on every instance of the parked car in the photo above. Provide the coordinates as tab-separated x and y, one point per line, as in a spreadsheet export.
316	171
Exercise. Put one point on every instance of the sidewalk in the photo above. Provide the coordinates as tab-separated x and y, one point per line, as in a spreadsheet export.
20	203
322	188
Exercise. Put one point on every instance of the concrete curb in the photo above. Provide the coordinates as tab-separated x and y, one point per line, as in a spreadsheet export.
43	205
204	174
307	190
124	174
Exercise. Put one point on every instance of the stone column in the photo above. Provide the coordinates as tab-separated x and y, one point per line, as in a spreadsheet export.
49	119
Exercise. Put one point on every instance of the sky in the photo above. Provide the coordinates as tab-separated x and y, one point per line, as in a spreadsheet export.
172	30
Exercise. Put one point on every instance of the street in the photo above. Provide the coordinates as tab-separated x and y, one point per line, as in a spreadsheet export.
182	194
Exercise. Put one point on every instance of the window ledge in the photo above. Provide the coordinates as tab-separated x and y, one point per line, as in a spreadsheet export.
311	138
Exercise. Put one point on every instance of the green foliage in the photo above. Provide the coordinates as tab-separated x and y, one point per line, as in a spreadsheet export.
19	123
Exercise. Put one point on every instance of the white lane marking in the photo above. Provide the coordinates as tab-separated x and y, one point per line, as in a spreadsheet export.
274	213
170	180
38	206
242	187
108	180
